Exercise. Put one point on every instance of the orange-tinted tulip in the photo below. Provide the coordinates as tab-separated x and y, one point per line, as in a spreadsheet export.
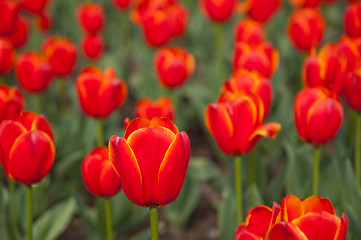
218	10
162	107
305	28
33	72
7	56
27	148
34	6
348	53
352	20
19	35
173	66
352	90
91	17
11	102
100	93
236	122
9	10
260	10
151	161
249	31
121	4
318	115
93	46
98	173
61	55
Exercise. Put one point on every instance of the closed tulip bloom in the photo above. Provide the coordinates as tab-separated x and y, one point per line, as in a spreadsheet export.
100	93
173	66
44	22
9	10
179	16
318	115
91	17
260	10
218	10
33	72
34	6
98	174
305	3
236	122
352	89
249	31
121	4
305	28
11	102
61	55
151	161
7	56
348	53
93	46
27	147
20	33
352	20
162	107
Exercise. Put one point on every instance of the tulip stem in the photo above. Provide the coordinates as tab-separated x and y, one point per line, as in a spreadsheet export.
108	219
37	103
175	104
62	96
154	223
29	198
316	165
218	32
238	187
252	169
357	150
12	208
100	132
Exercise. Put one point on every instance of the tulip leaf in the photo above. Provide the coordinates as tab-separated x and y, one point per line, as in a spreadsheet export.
89	219
355	222
252	197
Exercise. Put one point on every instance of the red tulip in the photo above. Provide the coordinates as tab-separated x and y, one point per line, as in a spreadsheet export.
121	4
305	3
61	55
9	10
34	6
260	10
348	53
19	35
33	72
7	55
93	46
98	173
11	102
318	115
173	66
44	22
249	31
352	20
91	17
236	122
100	93
27	148
151	161
352	90
218	10
305	28
179	17
162	107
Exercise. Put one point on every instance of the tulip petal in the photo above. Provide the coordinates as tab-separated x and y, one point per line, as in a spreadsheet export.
136	124
164	122
258	220
342	230
109	180
90	171
285	230
291	208
40	123
318	204
276	209
267	130
243	234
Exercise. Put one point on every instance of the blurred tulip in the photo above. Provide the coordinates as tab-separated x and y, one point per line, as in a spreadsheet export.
9	10
305	28
27	147
151	161
305	3
236	122
352	20
33	72
348	53
162	107
34	6
100	93
249	31
179	17
121	4
44	22
99	175
11	102
7	56
260	10
318	115
93	46
60	53
173	66
91	17
218	10
20	33
352	90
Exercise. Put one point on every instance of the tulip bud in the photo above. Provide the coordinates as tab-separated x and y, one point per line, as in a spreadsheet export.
260	10
11	102
349	54
19	35
352	89
7	56
121	4
91	17
93	46
249	31
9	10
34	6
352	20
218	11
162	107
44	22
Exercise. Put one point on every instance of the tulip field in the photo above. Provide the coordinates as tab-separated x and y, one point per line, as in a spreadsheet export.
180	119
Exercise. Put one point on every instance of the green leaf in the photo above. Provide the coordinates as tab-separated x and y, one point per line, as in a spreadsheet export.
252	197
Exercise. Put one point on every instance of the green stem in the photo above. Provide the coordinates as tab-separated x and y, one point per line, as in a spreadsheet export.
175	98
29	198
252	170
218	32
357	150
62	96
12	208
108	219
100	132
154	223
37	103
238	187
316	165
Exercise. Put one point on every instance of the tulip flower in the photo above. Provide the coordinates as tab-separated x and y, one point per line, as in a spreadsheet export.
305	28
352	20
218	11
11	102
44	22
19	35
7	56
349	53
173	66
9	10
151	161
61	55
34	6
93	46
91	17
121	4
305	3
260	10
33	72
249	31
162	107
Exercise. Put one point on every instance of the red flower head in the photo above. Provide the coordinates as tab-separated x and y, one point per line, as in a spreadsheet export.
236	122
173	66
19	35
11	102
218	10
305	28
305	3
352	89
349	55
33	72
260	10
251	82
100	93
121	4
98	173
7	56
93	46
44	22
151	161
262	58
27	148
352	20
61	55
91	17
162	107
34	6
9	10
249	31
318	115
